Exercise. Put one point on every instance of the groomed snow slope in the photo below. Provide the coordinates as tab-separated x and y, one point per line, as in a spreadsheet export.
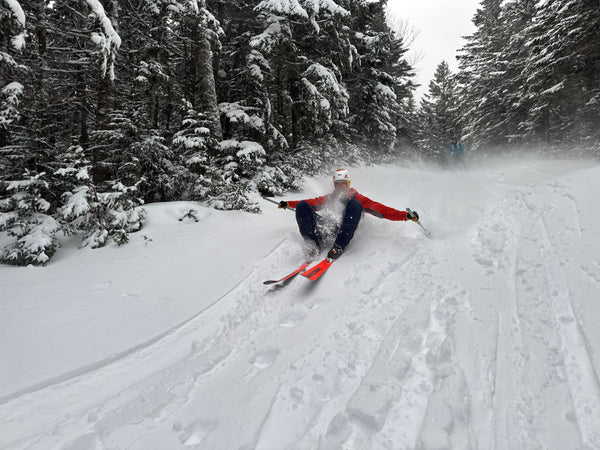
484	336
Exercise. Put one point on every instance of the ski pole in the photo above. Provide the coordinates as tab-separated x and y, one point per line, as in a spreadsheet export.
277	203
427	233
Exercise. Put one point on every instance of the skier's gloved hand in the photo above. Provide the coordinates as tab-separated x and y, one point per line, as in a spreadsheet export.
412	215
283	204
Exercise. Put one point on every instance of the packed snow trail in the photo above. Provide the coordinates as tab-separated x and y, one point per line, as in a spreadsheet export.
484	336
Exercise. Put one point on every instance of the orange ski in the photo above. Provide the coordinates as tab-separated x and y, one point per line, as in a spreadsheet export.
287	277
316	271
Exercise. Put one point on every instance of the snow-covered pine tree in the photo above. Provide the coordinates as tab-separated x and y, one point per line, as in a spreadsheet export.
150	56
244	84
197	176
27	197
23	215
514	103
12	40
219	177
59	98
294	37
493	83
379	78
153	165
115	188
9	108
117	214
439	115
96	216
529	74
243	79
198	33
12	21
482	68
27	133
78	190
323	101
12	27
410	130
563	75
239	162
246	126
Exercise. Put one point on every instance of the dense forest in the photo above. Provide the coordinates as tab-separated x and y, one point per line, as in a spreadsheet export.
109	104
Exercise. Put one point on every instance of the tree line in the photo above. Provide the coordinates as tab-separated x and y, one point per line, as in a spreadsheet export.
109	104
529	77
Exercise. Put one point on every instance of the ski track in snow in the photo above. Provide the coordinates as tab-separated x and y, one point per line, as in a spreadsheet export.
475	340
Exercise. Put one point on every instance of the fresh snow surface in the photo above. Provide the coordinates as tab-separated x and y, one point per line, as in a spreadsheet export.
484	336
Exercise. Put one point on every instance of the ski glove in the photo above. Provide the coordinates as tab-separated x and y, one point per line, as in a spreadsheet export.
412	215
283	204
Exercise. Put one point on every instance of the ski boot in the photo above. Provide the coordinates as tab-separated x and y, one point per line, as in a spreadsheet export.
335	252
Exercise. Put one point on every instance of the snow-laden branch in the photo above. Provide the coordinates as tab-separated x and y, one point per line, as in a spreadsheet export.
109	41
17	41
307	9
302	8
17	11
9	101
283	7
315	7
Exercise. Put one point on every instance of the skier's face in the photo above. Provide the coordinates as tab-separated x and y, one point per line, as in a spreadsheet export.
340	185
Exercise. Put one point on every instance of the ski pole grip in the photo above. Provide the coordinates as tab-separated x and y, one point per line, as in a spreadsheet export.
276	203
427	233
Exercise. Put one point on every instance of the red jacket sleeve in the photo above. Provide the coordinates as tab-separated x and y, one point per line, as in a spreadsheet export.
379	210
314	202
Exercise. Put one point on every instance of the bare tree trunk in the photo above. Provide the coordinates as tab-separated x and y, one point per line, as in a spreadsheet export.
105	103
41	27
207	98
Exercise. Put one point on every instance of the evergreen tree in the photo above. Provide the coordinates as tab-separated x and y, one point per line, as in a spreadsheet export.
493	80
294	36
564	74
78	190
24	216
12	40
482	69
410	129
96	216
67	91
243	88
513	104
439	114
529	74
197	177
199	32
323	101
379	79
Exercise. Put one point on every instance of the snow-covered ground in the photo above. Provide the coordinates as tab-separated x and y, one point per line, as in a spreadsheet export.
484	336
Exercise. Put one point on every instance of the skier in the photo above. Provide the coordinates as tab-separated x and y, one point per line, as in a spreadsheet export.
456	152
350	205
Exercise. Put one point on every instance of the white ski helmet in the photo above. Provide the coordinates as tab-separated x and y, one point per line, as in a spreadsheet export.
342	175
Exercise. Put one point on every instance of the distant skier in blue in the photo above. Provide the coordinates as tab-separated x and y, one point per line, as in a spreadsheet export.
456	151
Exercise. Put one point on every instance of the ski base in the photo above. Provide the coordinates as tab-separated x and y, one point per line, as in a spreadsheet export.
287	277
316	271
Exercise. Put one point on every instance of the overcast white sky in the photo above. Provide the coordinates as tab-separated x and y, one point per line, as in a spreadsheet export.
440	25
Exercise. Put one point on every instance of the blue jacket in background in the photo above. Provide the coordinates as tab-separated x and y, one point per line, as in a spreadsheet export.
456	148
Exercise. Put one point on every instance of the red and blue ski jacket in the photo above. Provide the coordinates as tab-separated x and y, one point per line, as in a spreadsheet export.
369	206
